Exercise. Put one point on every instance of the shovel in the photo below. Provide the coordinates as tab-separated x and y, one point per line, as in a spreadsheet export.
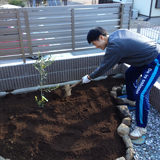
68	88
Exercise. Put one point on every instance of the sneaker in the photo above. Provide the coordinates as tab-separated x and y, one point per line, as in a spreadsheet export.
138	132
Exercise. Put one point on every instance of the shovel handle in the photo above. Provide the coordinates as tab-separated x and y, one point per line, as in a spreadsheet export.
76	84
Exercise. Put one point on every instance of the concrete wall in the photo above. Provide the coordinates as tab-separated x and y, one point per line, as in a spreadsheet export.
25	75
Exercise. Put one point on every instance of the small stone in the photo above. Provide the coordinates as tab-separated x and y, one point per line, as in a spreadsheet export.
123	130
117	88
113	94
129	154
121	158
127	121
127	141
11	117
124	111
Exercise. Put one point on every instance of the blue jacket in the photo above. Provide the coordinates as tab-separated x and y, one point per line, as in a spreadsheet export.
125	46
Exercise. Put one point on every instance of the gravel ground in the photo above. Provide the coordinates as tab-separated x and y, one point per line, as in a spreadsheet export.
150	150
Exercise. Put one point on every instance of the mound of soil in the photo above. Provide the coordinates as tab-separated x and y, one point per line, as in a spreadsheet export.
80	127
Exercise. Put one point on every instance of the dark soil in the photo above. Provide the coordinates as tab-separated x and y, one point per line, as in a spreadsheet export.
80	127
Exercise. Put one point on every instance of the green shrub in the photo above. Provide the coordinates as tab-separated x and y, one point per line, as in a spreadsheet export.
17	2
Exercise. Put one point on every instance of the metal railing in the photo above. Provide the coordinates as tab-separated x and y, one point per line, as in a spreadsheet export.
147	29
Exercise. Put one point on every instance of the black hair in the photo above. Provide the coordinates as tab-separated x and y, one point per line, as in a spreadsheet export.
94	34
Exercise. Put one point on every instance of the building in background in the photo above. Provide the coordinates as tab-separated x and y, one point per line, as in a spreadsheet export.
151	8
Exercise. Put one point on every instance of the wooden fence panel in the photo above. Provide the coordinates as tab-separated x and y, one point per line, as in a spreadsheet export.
25	31
12	42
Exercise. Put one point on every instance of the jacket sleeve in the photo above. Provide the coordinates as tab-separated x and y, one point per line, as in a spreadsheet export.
110	59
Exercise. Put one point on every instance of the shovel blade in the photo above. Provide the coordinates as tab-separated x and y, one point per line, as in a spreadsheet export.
67	89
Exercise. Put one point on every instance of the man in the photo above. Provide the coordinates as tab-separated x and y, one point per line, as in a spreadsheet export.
143	54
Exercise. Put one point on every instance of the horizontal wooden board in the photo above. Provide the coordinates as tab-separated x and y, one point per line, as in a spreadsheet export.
51	41
82	45
12	44
108	23
12	52
97	11
11	57
126	16
49	21
81	38
63	13
8	23
49	48
7	10
8	16
51	34
96	18
50	8
85	32
49	28
8	30
12	38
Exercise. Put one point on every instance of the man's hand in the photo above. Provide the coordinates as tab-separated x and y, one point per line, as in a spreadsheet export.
86	79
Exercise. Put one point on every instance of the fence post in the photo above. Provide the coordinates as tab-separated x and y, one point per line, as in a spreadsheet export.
138	28
129	25
20	35
121	15
73	29
28	32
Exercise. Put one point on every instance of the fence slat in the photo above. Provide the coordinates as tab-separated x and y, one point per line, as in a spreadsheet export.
96	18
108	24
48	28
54	13
49	21
13	44
98	11
51	41
8	30
12	52
11	38
55	47
46	35
8	15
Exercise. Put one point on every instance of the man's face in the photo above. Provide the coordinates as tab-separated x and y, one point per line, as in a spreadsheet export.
101	43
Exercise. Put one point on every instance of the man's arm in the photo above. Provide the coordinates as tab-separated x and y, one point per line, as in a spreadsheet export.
107	63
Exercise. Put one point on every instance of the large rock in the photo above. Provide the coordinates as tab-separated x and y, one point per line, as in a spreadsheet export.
127	141
124	111
129	154
127	121
123	130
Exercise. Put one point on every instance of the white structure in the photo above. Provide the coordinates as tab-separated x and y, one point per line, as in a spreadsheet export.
122	1
149	8
8	6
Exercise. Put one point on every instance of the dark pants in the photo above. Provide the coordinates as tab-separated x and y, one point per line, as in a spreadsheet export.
140	92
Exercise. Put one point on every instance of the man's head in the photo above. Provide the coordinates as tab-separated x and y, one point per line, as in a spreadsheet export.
98	37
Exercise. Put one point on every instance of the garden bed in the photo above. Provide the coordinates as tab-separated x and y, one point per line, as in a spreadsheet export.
80	127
